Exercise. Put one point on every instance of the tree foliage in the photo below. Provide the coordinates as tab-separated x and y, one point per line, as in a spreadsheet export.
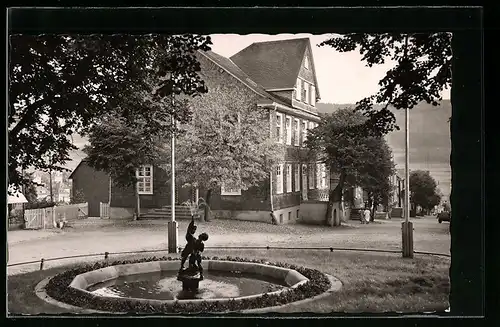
60	84
374	175
422	71
423	190
226	142
29	188
357	158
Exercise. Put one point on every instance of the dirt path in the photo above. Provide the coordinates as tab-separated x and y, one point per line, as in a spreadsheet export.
147	235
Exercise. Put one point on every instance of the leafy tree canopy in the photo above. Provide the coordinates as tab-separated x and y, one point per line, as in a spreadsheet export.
60	85
227	141
423	189
359	159
422	71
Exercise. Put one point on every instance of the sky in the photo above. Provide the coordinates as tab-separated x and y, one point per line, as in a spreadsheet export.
342	77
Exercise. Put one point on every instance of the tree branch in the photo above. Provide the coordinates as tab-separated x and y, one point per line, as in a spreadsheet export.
29	112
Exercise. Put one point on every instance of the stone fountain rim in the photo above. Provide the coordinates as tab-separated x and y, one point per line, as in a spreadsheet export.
291	277
83	281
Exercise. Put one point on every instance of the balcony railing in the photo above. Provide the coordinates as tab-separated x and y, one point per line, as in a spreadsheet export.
319	195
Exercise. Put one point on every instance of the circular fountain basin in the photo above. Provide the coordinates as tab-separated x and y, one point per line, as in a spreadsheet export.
156	282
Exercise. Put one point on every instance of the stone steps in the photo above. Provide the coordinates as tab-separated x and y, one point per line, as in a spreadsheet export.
181	212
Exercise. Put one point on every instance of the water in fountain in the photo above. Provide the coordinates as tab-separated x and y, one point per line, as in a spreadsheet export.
165	286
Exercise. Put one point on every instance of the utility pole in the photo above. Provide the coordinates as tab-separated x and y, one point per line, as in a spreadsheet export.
407	226
172	224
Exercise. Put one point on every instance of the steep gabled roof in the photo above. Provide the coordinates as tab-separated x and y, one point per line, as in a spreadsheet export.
235	71
273	64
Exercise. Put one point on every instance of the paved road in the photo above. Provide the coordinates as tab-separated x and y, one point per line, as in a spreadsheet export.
111	236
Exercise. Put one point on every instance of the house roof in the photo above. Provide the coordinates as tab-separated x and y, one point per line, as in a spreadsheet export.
229	66
71	175
273	64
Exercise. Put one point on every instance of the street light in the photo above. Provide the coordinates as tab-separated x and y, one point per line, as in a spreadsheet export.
172	227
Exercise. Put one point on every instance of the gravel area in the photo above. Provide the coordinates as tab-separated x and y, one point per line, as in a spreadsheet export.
100	236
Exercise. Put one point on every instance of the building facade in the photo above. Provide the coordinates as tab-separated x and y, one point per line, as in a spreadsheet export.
276	76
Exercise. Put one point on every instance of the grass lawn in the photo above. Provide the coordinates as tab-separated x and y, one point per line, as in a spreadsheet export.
371	282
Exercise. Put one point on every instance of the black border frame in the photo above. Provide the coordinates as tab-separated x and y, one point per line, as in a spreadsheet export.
467	157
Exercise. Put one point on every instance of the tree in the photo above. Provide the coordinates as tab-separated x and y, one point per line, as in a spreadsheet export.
125	139
422	71
358	159
60	84
226	143
375	173
119	149
423	190
29	188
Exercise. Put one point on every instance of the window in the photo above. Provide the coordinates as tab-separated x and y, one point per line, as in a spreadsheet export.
296	131
306	62
312	125
279	128
288	126
231	188
319	175
311	176
304	177
312	102
297	178
298	89
304	132
281	218
306	92
279	179
324	176
288	178
297	216
289	215
144	176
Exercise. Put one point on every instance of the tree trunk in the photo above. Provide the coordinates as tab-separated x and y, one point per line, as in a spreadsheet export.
207	205
373	211
109	193
137	203
335	196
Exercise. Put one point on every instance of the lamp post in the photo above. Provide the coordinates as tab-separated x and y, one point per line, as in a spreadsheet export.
407	226
172	224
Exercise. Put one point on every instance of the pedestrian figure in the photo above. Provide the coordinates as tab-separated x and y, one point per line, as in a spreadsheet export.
366	214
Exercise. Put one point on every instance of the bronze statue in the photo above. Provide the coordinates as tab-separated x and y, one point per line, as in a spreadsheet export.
191	240
195	258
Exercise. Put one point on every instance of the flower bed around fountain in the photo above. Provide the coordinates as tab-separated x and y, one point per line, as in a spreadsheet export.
71	286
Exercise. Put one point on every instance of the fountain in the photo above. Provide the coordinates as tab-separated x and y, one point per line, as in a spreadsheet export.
152	285
191	276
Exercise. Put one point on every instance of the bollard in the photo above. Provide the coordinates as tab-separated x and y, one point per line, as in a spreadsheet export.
41	264
106	254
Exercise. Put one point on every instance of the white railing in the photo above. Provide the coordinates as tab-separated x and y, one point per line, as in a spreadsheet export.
323	195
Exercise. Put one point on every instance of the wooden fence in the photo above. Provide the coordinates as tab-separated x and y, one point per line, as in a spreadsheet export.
48	217
104	210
